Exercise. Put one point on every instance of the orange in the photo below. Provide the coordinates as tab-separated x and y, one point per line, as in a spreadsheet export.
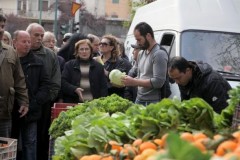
231	156
107	157
236	135
225	147
138	157
113	145
187	136
147	145
217	137
158	142
148	152
199	135
199	145
164	137
137	142
94	157
84	158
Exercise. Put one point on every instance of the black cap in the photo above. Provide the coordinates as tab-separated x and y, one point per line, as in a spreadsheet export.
67	36
135	46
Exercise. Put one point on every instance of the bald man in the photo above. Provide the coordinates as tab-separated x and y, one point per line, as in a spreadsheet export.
37	81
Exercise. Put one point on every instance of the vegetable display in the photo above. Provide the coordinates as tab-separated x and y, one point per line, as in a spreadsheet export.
88	129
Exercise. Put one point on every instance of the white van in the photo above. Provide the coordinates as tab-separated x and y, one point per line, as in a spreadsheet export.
202	30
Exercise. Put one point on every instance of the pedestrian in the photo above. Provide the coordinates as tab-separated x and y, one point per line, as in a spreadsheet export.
7	38
130	92
151	67
95	40
198	79
67	51
50	41
13	86
37	82
112	60
83	78
51	64
66	37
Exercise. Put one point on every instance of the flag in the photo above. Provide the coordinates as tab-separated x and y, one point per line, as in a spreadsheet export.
75	7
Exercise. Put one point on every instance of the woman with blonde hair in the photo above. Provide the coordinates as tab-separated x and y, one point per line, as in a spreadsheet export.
83	78
7	38
112	60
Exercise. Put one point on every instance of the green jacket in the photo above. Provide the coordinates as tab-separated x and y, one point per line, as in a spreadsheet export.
52	66
12	81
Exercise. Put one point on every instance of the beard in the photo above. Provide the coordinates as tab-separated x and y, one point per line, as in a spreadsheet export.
145	45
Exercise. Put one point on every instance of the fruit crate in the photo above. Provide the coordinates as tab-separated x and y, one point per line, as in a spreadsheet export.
8	148
59	107
236	118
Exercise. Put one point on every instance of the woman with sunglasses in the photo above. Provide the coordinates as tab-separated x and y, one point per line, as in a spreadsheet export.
83	78
111	58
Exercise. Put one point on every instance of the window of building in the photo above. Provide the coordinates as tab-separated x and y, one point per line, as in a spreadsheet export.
115	1
44	5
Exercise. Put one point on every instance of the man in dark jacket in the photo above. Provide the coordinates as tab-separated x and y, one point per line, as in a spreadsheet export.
37	82
51	64
199	80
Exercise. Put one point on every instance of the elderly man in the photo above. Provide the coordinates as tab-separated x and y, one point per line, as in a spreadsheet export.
12	83
37	82
51	64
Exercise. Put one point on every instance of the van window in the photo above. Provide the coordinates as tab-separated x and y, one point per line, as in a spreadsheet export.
167	42
221	50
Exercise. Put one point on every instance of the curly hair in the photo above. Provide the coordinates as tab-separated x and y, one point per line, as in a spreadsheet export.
115	53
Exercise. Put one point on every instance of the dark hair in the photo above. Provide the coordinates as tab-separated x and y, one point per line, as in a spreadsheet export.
179	63
67	51
2	18
144	29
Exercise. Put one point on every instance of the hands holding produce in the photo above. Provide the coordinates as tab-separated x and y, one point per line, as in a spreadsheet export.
116	76
79	93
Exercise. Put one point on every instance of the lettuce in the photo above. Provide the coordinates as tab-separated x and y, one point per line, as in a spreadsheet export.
115	77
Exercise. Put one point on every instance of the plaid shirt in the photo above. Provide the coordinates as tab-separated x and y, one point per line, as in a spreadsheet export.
236	118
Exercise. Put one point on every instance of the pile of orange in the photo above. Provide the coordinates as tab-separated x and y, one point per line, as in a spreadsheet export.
145	150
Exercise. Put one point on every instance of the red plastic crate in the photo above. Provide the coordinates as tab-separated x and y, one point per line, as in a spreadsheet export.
59	107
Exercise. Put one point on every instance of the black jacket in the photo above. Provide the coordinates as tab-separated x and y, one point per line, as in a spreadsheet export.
71	77
38	82
208	85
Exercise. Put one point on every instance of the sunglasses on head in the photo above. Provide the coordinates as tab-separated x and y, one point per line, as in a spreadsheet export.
103	44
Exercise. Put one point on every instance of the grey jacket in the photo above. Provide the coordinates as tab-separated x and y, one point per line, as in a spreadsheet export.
50	61
12	81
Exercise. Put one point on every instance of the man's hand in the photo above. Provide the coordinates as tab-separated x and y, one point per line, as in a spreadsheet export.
79	93
129	81
23	111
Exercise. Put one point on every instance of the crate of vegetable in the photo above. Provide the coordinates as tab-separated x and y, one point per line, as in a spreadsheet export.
59	107
8	148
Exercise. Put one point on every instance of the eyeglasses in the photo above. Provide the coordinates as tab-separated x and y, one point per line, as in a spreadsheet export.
83	49
104	44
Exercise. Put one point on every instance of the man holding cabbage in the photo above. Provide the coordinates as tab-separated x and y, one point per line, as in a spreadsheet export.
151	67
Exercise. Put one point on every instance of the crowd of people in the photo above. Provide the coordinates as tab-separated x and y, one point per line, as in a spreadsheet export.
35	74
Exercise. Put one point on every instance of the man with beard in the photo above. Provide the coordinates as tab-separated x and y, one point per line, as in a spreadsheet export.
12	85
151	67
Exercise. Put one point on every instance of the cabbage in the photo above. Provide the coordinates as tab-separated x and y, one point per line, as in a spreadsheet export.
115	77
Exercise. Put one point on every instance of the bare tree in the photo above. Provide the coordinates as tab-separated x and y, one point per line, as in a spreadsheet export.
15	22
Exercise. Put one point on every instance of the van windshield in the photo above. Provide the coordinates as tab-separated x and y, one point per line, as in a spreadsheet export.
221	50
